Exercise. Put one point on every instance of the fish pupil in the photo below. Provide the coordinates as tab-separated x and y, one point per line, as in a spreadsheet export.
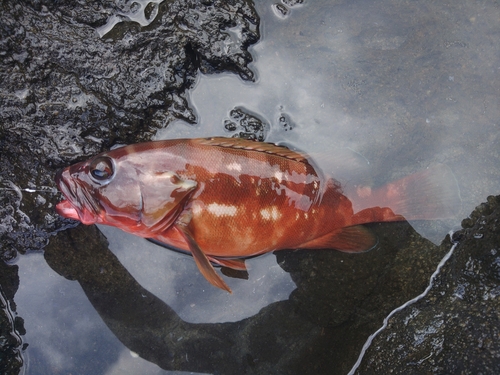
100	175
101	169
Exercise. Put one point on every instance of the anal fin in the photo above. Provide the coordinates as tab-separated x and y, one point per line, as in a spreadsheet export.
235	264
354	239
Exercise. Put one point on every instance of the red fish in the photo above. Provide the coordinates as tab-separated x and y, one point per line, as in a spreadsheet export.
224	199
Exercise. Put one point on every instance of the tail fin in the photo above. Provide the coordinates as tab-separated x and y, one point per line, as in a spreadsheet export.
427	195
354	239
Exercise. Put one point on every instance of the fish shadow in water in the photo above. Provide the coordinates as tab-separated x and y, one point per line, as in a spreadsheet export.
339	301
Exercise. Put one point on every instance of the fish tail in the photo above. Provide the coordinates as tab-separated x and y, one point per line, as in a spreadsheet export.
427	195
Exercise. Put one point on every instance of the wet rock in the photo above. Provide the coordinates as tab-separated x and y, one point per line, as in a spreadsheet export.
243	124
348	295
455	328
11	325
292	3
285	122
340	299
67	93
282	9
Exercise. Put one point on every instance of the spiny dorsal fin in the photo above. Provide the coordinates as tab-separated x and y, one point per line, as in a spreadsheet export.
245	144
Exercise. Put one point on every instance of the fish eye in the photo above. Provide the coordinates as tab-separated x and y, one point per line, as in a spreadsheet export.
101	169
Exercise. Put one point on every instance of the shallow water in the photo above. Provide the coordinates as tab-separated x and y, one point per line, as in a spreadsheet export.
405	85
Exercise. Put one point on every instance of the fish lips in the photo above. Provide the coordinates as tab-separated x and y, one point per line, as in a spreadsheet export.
72	207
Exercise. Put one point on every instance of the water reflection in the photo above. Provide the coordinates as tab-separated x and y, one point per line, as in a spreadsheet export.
327	313
391	82
175	279
402	84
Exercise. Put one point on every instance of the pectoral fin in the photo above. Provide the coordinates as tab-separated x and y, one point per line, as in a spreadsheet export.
353	239
162	198
201	259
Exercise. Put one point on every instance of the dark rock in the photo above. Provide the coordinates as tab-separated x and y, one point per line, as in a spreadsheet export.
455	327
11	325
285	122
243	124
66	93
282	10
292	3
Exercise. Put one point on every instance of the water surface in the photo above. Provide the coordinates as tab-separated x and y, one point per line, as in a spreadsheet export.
403	85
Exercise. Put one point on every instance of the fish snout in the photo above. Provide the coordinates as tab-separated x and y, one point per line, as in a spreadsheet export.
77	204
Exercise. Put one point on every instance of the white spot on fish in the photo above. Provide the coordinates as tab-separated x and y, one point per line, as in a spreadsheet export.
278	175
275	214
234	167
270	214
196	208
222	209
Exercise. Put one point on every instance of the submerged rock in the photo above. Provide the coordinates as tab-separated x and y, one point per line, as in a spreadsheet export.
77	77
339	301
243	124
455	327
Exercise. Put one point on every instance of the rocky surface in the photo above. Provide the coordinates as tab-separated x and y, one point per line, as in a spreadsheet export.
11	326
339	301
455	327
79	77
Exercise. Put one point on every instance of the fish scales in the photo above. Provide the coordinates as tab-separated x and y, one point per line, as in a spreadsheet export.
261	197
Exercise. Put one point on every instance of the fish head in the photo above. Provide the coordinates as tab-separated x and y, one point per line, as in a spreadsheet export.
121	192
96	191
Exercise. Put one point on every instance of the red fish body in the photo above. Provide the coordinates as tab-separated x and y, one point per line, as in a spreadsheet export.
220	199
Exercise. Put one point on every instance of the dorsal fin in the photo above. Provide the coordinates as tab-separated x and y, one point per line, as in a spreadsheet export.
245	144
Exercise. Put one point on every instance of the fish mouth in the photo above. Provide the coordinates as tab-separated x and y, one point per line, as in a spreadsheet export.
66	209
77	205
